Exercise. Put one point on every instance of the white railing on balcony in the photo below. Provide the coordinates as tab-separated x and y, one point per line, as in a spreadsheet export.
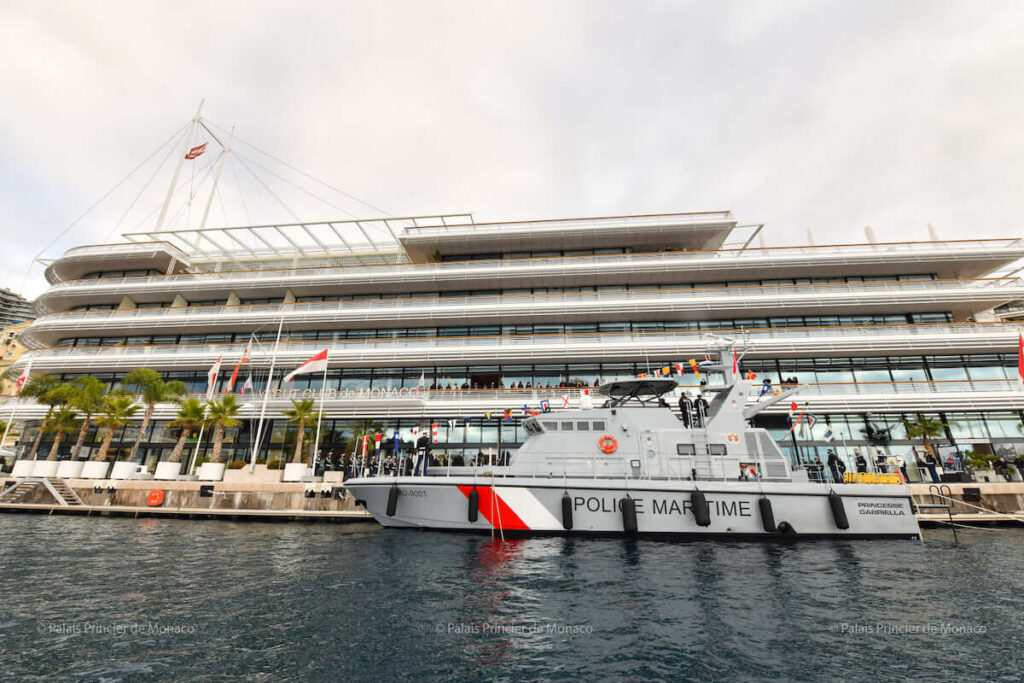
570	264
524	303
502	344
605	223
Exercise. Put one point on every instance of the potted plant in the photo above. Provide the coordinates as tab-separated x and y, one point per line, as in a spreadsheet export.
301	412
190	416
61	421
153	389
86	395
221	414
118	411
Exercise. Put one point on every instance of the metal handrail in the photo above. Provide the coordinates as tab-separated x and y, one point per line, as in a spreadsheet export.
503	266
989	330
421	304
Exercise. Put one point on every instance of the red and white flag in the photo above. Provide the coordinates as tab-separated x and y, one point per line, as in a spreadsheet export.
366	439
376	441
211	379
1020	363
735	362
247	386
679	368
23	377
565	400
433	432
196	151
317	363
234	375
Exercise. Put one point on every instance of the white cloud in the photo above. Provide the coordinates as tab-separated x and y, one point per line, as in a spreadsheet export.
804	114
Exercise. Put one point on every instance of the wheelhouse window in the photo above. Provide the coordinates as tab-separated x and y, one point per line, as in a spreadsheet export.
582	426
717	449
685	449
598	425
567	426
551	426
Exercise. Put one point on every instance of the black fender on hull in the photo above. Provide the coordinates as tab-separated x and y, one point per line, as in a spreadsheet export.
767	515
566	511
628	507
474	505
835	501
701	511
392	500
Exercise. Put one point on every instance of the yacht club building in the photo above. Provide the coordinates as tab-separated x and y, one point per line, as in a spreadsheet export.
443	320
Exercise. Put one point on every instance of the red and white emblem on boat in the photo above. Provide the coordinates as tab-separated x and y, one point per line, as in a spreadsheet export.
733	437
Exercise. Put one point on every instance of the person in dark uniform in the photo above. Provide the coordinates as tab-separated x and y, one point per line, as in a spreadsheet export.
833	466
861	462
930	463
1019	462
700	411
685	408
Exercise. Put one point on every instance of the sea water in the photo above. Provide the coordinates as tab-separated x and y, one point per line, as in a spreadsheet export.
153	599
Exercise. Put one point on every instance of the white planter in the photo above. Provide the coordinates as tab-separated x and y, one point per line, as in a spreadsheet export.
94	469
45	468
23	468
124	470
167	470
211	471
294	471
70	469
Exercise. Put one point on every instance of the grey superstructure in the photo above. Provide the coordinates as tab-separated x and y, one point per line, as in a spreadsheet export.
632	466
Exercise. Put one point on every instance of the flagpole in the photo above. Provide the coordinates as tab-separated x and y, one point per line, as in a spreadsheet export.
189	139
266	397
199	440
320	416
7	429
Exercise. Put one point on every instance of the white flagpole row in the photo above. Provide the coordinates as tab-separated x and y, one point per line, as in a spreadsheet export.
266	398
320	415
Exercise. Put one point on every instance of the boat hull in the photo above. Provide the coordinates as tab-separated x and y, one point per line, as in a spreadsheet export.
526	506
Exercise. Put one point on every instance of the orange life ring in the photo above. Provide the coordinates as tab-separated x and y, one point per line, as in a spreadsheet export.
155	498
607	443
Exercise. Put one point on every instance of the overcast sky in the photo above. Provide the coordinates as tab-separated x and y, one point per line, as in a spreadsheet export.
826	116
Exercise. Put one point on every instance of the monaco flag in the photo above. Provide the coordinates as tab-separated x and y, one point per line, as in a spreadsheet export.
196	151
317	363
234	375
211	379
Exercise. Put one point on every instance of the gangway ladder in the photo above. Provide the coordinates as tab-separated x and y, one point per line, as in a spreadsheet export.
947	506
702	467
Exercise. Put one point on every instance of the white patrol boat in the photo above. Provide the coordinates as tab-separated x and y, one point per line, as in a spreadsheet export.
633	467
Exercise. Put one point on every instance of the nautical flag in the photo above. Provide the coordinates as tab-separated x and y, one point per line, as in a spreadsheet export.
811	420
317	363
376	441
829	434
211	378
585	400
422	383
735	362
666	371
707	362
234	375
23	377
247	386
565	400
415	433
792	408
545	407
486	415
693	364
467	419
366	439
1020	363
751	375
641	375
433	432
796	421
196	151
679	368
528	411
508	414
451	426
765	388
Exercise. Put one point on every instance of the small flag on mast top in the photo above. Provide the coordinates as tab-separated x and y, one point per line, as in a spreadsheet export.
376	441
196	151
211	378
317	363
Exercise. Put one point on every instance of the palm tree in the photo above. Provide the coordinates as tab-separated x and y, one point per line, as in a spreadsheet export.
926	429
302	411
118	411
154	390
48	389
87	394
61	421
190	415
221	414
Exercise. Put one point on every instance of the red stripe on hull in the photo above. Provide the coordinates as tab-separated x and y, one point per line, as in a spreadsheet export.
504	517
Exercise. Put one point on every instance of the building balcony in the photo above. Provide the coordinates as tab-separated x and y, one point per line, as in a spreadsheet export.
948	260
78	261
808	342
962	297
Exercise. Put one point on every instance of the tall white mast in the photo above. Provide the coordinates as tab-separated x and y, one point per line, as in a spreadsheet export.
189	140
216	177
266	397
